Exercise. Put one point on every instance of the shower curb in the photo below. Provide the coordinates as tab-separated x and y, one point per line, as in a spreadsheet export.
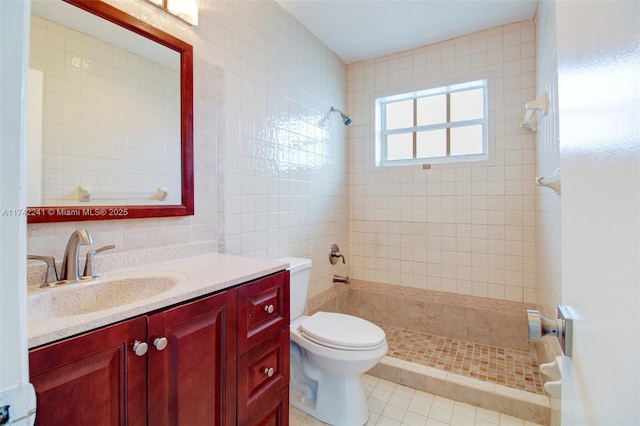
517	403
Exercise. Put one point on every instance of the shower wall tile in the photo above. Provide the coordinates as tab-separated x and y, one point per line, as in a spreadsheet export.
454	228
285	183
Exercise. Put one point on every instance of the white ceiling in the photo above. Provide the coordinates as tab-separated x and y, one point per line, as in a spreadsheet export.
358	30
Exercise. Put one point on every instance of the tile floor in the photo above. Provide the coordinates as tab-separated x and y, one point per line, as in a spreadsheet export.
512	368
396	405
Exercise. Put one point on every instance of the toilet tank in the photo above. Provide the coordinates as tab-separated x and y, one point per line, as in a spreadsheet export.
299	269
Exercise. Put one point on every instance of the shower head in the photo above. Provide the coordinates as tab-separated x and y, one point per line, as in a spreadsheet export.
345	118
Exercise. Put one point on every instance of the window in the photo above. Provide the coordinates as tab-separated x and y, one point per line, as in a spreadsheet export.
441	125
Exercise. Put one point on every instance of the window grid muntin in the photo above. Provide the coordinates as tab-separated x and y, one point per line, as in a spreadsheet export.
446	90
448	106
415	121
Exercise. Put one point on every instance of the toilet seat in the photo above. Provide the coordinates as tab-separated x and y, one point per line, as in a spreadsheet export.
341	331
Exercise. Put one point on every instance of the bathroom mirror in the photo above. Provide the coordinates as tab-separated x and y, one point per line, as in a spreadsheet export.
115	140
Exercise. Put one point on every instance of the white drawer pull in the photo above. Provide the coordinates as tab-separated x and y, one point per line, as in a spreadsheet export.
269	372
269	308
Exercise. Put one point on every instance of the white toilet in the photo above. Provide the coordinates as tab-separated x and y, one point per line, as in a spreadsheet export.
329	354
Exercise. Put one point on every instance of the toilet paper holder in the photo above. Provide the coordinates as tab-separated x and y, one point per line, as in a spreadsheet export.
562	328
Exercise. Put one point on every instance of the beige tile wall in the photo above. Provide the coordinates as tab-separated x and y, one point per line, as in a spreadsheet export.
470	229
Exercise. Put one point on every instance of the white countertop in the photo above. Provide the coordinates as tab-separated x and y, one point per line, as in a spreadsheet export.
197	276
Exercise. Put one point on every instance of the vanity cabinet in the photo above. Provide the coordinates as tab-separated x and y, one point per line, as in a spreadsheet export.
192	373
263	347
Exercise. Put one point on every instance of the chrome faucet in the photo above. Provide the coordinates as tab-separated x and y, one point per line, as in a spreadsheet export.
70	263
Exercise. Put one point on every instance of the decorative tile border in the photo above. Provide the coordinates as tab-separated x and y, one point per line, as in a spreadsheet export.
482	303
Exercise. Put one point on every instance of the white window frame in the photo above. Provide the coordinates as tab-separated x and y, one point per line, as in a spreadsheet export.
381	131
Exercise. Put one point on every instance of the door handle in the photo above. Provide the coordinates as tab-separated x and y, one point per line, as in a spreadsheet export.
540	326
562	327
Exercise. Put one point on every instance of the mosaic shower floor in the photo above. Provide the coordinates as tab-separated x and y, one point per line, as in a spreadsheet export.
507	367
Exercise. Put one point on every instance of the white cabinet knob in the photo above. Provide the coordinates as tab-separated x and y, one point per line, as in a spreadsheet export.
269	372
140	348
269	308
160	343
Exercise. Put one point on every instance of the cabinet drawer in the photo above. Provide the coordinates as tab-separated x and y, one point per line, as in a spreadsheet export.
262	372
263	309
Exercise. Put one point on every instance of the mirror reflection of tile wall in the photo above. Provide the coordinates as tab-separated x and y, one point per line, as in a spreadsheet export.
110	121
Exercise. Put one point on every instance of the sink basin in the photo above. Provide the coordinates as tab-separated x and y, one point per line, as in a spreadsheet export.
95	296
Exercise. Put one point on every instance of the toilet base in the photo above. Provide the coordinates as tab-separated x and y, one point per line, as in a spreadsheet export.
338	401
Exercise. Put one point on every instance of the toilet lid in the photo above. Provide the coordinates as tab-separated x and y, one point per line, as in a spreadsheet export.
342	331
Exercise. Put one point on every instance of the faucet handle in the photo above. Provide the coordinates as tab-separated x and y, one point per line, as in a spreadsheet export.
89	271
335	254
52	273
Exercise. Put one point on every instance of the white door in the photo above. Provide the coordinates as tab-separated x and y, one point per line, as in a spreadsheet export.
599	105
15	391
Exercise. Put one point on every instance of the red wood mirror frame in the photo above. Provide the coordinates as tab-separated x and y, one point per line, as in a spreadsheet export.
77	213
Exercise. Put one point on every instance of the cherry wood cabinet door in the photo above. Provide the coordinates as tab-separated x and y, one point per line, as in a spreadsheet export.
93	379
192	381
